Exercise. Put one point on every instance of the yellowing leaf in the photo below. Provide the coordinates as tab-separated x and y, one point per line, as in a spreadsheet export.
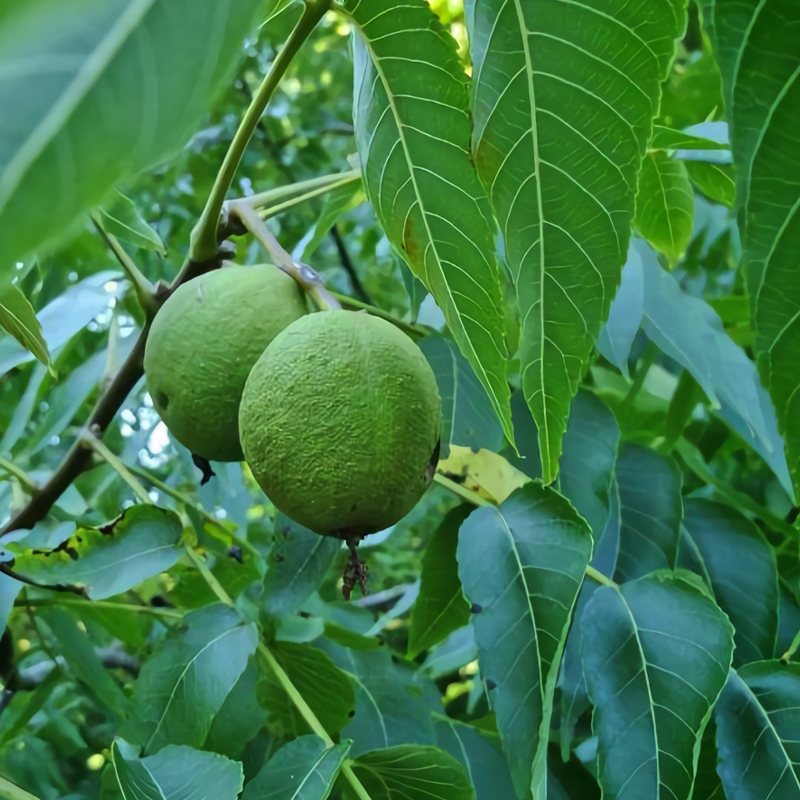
485	473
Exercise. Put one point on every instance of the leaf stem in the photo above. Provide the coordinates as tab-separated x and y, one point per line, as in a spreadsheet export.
208	576
116	464
13	470
204	237
105	604
461	491
309	189
695	462
414	331
306	277
647	361
145	291
598	576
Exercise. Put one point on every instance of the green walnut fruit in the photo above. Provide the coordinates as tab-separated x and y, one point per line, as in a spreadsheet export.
204	342
340	423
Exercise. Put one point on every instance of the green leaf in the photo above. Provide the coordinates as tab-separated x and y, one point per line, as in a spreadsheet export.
521	565
120	217
25	705
656	653
239	719
410	772
725	541
69	145
440	607
651	511
665	205
757	722
182	688
77	650
337	201
18	318
707	785
563	100
756	47
110	560
468	418
303	769
9	589
484	762
412	123
587	463
175	773
392	704
715	181
303	558
323	686
669	139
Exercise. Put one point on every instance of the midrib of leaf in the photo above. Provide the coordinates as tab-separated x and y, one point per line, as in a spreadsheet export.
745	40
367	692
649	696
181	678
119	782
376	61
548	473
61	110
310	773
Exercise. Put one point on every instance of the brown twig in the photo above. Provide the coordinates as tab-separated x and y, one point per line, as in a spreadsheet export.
348	266
79	457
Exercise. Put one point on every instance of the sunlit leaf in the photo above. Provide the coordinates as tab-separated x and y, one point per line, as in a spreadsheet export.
69	144
665	205
440	608
725	541
112	559
17	317
120	217
656	654
651	511
303	769
182	688
410	772
669	139
756	47
757	722
715	181
563	100
521	566
412	128
175	773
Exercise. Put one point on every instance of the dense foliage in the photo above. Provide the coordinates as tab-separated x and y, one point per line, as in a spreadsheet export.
586	216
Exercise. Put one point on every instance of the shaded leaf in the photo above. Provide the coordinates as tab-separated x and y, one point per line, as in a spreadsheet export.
181	689
587	463
656	653
420	179
468	419
757	722
484	762
110	560
563	100
650	509
337	201
707	785
77	650
239	719
18	318
120	217
440	607
756	48
303	769
322	684
521	566
175	773
393	705
665	205
9	589
68	146
725	541
715	181
410	772
298	566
